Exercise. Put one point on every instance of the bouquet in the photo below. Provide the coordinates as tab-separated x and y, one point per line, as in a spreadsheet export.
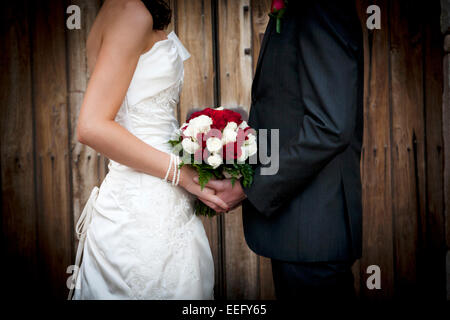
217	144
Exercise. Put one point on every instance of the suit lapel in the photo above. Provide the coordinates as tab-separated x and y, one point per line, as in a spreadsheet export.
267	35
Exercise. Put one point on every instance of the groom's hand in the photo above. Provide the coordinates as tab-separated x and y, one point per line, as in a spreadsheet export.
231	195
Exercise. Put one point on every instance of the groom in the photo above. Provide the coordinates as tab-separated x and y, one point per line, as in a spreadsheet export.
309	85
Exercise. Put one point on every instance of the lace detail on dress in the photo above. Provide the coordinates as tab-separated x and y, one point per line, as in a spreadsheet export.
167	100
160	242
159	108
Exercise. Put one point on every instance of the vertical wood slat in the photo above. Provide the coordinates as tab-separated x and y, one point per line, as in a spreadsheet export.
260	18
234	31
52	146
376	157
87	166
194	27
17	164
172	26
434	274
408	145
446	148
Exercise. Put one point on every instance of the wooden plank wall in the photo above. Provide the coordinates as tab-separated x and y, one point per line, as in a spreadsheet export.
51	138
194	24
18	197
46	176
376	158
402	159
88	167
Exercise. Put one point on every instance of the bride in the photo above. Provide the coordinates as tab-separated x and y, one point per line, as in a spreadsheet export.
139	236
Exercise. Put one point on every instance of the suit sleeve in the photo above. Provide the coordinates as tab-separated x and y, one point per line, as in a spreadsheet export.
328	71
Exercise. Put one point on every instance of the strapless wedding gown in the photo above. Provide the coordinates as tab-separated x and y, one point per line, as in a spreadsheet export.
139	236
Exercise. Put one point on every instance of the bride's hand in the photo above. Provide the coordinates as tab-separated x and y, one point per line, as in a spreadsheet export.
206	195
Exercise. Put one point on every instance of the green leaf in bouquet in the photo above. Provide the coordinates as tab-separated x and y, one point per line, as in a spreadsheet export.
203	210
247	174
174	143
204	175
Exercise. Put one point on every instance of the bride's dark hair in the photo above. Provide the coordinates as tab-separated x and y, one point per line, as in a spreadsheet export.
160	11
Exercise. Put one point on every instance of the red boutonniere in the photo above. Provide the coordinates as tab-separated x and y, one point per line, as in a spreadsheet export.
277	10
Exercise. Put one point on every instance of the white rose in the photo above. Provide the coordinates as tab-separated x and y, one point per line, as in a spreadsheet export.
228	136
214	144
201	124
189	146
243	125
214	160
244	154
251	139
252	148
231	126
188	131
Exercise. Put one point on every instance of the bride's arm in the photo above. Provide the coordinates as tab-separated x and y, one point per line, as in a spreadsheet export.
122	44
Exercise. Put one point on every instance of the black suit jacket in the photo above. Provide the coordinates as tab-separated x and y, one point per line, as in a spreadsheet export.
309	85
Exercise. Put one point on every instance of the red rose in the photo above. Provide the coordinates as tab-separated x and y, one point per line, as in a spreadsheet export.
277	5
241	135
232	116
213	133
277	10
220	118
232	150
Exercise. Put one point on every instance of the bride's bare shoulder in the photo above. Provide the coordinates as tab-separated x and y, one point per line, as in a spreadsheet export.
118	18
127	15
136	11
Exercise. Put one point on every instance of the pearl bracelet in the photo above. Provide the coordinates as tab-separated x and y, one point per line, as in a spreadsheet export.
175	169
175	161
179	172
170	166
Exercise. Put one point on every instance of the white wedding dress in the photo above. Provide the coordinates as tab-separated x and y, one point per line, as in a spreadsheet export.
139	236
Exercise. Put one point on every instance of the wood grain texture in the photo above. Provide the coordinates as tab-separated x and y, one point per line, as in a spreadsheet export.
172	26
54	220
260	18
18	198
234	34
87	166
446	142
434	239
376	157
408	142
194	25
